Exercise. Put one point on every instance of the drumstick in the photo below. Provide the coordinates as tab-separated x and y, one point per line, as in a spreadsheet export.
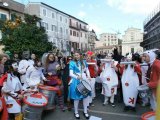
46	80
143	64
146	77
126	63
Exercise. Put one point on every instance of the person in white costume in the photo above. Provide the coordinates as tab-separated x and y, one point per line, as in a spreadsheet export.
11	90
93	69
144	69
22	68
109	81
34	75
130	82
31	61
154	75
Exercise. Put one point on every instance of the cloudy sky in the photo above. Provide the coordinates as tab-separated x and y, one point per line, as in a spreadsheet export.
106	15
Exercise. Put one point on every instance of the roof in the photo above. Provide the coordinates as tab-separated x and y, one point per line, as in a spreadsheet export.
13	5
105	47
59	11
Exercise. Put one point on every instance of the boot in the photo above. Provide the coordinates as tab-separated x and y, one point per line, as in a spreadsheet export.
69	106
61	103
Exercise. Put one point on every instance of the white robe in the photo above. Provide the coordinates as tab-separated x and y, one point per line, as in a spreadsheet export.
34	76
22	68
130	82
109	80
11	86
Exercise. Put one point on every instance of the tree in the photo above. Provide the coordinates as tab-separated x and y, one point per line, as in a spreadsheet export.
20	36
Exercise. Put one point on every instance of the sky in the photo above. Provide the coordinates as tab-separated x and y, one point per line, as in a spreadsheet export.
111	16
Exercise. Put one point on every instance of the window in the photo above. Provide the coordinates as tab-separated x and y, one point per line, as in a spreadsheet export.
85	35
77	34
61	18
61	30
3	16
74	33
77	24
66	31
45	25
44	12
54	28
132	50
13	17
66	20
53	15
70	32
81	34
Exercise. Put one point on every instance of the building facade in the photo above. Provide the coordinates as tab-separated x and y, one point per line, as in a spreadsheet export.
105	49
151	37
78	34
8	10
92	38
55	22
109	39
131	41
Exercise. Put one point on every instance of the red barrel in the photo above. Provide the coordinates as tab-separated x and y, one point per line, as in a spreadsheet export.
148	116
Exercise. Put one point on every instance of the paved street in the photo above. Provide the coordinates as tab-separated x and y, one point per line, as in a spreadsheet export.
105	112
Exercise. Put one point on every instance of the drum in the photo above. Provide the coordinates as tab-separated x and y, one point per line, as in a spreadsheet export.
148	116
33	106
1	104
144	91
84	88
50	93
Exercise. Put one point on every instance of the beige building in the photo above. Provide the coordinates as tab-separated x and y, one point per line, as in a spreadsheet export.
99	44
78	34
109	39
7	10
92	38
131	41
105	49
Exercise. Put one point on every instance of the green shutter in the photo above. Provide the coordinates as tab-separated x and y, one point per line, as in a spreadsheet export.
3	17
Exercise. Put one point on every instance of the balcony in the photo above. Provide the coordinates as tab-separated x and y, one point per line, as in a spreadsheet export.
84	29
74	26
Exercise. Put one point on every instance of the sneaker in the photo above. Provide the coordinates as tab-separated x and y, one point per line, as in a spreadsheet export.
76	115
91	104
105	102
113	105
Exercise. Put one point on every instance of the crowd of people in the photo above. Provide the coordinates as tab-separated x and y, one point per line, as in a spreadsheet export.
75	78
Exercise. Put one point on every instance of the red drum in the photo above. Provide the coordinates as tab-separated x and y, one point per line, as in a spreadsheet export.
148	116
50	93
1	104
33	106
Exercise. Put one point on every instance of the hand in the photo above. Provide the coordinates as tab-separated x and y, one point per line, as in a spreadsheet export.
20	96
79	77
49	73
58	67
32	87
89	78
40	84
46	80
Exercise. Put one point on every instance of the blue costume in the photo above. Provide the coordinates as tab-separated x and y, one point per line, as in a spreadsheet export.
73	94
